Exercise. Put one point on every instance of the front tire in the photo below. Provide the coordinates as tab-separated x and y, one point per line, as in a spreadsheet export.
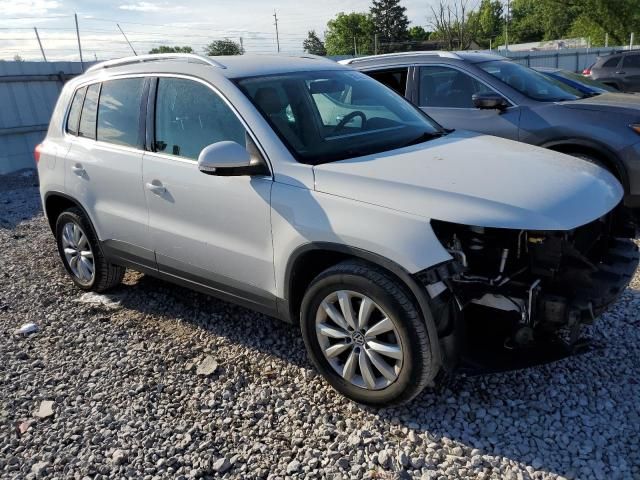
364	334
81	255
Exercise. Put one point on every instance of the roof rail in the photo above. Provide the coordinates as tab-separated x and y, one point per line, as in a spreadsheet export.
437	53
156	57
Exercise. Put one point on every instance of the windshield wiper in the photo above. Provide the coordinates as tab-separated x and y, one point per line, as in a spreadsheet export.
426	136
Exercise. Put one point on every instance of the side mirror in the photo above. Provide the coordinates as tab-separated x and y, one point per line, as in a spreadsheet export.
228	159
489	101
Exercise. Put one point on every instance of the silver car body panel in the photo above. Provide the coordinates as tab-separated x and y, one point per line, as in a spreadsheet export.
244	230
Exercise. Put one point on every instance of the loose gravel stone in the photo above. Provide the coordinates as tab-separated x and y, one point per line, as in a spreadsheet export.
129	402
222	465
207	366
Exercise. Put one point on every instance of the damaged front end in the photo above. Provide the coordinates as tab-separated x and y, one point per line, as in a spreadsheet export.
545	280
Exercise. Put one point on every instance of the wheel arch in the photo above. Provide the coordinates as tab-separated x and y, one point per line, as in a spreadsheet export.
597	150
57	202
310	259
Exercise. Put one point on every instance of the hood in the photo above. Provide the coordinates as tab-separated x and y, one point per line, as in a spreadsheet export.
616	102
474	179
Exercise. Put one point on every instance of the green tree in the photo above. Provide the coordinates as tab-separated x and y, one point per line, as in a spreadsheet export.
349	34
390	23
224	47
596	18
490	22
538	20
312	44
18	58
418	34
167	49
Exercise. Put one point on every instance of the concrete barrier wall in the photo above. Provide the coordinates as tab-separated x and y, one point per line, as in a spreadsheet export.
28	93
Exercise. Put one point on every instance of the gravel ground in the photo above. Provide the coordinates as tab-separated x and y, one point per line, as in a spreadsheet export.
162	382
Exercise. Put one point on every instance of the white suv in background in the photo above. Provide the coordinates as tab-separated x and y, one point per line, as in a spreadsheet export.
308	191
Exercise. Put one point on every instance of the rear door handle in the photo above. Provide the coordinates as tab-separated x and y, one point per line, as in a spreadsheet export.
78	170
156	187
621	73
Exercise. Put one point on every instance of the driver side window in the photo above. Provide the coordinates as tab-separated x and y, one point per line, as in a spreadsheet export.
447	87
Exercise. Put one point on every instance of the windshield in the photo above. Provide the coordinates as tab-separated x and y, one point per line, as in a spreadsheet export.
589	82
324	116
533	84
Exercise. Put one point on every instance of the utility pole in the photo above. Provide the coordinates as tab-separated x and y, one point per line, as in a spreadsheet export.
355	46
506	27
375	44
631	42
75	15
606	39
241	46
40	43
275	16
125	37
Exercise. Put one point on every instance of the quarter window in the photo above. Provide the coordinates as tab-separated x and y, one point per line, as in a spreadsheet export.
119	111
74	111
448	87
89	109
611	63
631	61
189	116
396	80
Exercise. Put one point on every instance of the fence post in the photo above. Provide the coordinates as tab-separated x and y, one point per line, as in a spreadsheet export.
528	60
577	61
557	59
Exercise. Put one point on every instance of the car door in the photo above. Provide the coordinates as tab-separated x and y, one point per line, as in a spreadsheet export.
630	73
104	166
210	231
445	94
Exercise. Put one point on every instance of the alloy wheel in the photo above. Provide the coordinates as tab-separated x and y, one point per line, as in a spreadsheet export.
78	253
359	340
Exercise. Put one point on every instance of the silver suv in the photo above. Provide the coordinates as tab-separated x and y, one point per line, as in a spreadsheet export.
310	192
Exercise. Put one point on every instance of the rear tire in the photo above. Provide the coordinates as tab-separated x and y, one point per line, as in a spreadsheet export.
81	255
378	362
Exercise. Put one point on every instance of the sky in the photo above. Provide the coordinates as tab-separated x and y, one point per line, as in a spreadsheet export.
149	23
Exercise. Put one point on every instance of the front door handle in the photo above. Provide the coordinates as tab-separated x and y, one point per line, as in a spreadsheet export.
78	170
621	73
156	187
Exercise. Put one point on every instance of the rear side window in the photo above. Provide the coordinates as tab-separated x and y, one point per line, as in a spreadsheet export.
611	63
119	111
631	61
74	111
396	79
189	116
89	109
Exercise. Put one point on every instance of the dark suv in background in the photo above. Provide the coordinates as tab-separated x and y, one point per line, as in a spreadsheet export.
493	95
620	70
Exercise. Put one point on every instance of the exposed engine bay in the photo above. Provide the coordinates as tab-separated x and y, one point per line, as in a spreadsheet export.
545	279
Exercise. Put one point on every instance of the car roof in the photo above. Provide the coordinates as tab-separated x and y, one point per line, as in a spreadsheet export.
420	56
235	66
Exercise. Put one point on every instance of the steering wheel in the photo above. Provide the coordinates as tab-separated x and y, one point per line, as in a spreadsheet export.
350	116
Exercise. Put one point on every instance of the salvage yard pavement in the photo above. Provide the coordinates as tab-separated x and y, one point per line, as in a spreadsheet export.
155	381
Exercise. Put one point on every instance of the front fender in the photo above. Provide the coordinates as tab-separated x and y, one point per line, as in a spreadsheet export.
301	217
